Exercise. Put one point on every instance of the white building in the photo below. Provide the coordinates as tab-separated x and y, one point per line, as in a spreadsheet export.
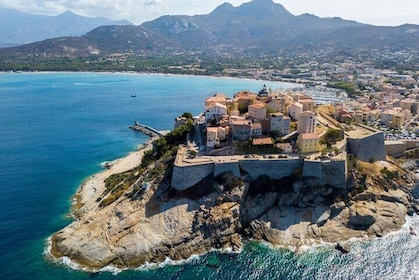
295	109
280	122
215	111
306	122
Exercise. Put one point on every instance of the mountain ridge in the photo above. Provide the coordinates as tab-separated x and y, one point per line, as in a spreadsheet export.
251	29
21	28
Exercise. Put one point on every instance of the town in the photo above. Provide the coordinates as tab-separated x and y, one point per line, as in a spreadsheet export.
288	129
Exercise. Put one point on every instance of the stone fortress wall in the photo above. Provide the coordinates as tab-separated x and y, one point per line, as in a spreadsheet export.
330	171
368	148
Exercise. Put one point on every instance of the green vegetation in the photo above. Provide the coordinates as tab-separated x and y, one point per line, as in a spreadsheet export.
166	143
352	162
390	175
187	115
348	87
229	180
331	137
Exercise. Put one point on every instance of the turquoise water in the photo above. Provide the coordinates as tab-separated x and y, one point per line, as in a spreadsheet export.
56	129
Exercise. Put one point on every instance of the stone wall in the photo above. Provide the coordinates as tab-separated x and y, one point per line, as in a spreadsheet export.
395	148
222	167
184	177
368	148
326	172
274	168
331	172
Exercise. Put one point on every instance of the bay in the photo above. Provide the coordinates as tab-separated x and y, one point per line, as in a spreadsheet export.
57	128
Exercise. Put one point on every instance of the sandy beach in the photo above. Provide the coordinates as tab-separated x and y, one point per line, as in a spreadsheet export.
91	189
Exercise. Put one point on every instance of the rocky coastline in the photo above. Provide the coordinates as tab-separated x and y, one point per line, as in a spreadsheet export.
150	224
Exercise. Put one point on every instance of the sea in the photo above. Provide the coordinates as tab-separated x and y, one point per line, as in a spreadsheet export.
57	128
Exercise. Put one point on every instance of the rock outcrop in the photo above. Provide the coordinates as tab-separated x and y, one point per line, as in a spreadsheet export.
163	223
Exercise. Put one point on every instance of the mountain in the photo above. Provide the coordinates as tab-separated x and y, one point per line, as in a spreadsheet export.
254	28
19	28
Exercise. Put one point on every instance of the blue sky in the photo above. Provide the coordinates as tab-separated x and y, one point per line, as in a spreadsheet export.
377	12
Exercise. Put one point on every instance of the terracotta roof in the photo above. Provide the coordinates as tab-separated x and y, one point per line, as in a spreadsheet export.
309	136
258	105
262	141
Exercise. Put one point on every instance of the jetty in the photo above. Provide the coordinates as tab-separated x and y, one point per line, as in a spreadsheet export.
145	129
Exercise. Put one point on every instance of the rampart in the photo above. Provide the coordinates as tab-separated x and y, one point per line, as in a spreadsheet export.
327	171
367	148
186	176
274	168
332	172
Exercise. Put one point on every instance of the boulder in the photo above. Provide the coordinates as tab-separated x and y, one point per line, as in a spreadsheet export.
361	215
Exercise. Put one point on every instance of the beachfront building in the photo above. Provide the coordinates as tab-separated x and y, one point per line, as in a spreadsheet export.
308	143
306	122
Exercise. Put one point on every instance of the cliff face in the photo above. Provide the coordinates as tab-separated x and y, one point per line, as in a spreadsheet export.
162	222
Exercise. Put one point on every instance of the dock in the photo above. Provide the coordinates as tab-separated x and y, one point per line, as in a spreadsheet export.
147	130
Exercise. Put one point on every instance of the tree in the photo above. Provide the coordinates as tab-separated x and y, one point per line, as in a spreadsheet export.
187	115
331	137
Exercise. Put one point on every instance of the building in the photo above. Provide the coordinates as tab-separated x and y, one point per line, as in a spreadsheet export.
217	98
277	103
308	143
244	99
212	137
215	111
256	129
358	116
372	115
397	121
285	147
280	122
308	104
264	141
407	104
295	109
257	111
241	129
306	122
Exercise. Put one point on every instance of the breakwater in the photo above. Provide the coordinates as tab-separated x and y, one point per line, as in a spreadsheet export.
145	129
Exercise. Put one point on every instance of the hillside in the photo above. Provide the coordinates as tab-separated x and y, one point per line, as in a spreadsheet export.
260	27
20	28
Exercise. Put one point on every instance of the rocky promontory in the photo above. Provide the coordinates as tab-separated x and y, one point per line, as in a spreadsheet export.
129	215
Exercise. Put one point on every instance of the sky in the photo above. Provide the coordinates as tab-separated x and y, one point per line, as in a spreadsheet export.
376	12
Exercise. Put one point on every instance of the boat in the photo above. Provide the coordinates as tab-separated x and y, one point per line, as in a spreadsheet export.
133	95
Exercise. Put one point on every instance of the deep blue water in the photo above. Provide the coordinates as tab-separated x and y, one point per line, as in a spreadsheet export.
56	129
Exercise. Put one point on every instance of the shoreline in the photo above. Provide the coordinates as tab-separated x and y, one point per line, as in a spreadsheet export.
92	187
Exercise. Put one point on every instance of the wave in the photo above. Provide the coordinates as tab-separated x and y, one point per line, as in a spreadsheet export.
82	84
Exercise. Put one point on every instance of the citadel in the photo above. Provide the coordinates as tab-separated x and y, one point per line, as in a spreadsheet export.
274	134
